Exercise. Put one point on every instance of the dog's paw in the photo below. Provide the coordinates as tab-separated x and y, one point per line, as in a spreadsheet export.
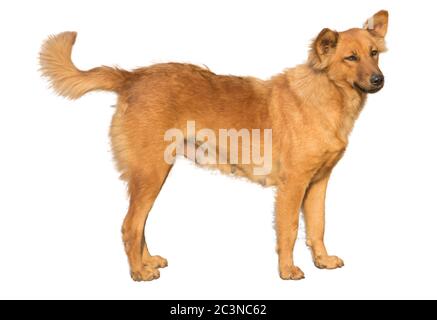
328	262
145	274
155	262
291	273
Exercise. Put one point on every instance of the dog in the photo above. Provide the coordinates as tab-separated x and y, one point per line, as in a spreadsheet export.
310	110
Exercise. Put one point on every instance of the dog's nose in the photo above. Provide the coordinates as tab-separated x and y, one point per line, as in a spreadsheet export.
377	79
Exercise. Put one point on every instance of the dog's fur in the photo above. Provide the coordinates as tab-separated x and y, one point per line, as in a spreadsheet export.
310	108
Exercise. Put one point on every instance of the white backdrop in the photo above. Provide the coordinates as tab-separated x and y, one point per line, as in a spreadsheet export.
62	205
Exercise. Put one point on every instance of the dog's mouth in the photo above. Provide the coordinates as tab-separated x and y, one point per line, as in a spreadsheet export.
368	90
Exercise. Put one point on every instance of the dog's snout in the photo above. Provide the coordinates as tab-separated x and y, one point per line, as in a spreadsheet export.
377	79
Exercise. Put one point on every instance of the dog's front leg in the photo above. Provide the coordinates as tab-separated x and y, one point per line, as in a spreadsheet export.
314	212
288	202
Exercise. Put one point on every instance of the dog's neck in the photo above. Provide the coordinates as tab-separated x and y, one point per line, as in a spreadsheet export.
341	103
353	103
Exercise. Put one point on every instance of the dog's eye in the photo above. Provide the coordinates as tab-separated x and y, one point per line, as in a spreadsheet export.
374	53
351	58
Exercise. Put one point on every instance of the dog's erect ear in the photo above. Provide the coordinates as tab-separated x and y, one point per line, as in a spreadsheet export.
322	48
326	42
378	24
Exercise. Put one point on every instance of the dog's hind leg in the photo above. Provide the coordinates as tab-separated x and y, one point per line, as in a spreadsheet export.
144	186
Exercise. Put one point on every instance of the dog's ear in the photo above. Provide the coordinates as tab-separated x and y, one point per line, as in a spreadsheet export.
378	24
323	48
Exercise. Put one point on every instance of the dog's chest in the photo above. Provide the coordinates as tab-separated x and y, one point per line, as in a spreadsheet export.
327	162
319	155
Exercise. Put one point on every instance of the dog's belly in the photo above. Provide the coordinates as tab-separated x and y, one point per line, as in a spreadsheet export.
244	171
248	170
322	165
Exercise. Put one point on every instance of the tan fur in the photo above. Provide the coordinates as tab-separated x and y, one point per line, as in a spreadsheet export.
66	79
310	108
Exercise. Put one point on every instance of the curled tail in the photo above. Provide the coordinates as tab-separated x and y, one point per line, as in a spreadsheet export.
69	81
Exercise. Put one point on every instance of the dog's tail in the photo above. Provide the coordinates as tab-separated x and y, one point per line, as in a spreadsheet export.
69	81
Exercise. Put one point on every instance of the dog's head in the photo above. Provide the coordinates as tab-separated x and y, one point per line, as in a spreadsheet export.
351	57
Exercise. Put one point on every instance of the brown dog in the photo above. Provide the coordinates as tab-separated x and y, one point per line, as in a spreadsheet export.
311	110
